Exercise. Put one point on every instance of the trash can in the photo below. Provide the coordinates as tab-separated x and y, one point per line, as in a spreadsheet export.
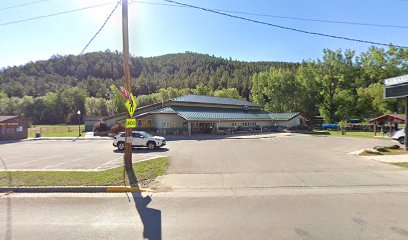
37	135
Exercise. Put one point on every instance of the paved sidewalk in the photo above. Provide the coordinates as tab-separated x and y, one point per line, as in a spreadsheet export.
389	158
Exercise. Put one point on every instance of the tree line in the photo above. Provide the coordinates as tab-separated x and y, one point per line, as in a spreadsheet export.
340	85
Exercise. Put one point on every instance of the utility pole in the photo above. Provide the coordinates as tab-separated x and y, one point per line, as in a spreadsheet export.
126	71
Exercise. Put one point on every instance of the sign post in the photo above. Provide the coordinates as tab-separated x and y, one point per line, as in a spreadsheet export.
397	87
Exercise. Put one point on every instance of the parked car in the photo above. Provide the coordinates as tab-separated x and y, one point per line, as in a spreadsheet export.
140	139
399	136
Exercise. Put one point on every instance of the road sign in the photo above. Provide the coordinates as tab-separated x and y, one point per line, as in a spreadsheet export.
131	123
131	106
396	87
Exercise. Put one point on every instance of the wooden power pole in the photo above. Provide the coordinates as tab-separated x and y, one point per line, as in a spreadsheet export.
126	71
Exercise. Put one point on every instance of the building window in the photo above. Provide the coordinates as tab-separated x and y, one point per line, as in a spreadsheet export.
166	125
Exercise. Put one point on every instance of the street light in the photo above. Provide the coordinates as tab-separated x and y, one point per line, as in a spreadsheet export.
79	122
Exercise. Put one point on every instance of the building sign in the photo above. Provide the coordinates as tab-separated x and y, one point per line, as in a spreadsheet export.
396	80
396	87
8	124
144	123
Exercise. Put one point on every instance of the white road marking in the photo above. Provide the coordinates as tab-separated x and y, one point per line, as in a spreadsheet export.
108	162
78	159
33	160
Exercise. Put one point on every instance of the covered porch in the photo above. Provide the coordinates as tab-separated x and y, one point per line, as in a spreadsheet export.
387	123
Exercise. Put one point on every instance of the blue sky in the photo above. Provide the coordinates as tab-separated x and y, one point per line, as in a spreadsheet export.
157	30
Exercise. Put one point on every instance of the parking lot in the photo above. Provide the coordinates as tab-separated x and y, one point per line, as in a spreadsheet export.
66	155
200	155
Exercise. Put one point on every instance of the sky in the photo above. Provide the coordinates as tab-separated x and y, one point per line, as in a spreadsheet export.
156	29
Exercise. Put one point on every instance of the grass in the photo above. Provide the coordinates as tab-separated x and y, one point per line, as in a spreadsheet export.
387	152
353	134
112	177
55	130
401	164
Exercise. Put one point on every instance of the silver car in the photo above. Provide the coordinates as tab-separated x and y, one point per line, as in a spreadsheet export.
140	139
399	136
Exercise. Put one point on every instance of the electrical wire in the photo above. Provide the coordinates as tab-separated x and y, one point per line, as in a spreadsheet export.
23	5
54	14
215	9
284	27
100	29
286	17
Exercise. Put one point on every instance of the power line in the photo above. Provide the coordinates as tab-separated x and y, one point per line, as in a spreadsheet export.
100	29
317	20
54	14
23	4
283	27
287	17
214	9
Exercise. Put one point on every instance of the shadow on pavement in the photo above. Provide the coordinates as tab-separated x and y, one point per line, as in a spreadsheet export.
151	218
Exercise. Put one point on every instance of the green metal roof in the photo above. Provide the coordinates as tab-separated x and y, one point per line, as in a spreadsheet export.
163	110
283	116
213	100
222	114
215	114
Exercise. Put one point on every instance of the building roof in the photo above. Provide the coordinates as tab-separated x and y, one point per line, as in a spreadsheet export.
222	114
218	114
389	117
283	116
213	100
6	117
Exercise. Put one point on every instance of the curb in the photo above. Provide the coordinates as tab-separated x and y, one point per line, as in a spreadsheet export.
72	189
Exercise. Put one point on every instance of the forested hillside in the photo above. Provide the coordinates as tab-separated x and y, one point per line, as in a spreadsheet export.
339	86
96	71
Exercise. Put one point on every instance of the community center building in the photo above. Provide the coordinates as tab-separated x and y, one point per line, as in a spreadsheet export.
194	114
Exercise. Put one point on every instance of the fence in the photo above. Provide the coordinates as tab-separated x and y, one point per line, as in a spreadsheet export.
55	130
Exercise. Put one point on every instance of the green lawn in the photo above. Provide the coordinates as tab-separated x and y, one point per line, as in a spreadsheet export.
401	164
112	177
387	152
55	130
355	134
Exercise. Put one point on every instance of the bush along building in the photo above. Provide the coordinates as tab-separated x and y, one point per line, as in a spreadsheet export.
195	114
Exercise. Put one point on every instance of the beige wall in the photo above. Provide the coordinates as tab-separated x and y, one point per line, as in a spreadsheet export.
171	120
293	122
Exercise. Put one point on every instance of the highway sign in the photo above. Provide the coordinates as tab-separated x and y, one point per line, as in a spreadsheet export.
131	123
131	106
396	87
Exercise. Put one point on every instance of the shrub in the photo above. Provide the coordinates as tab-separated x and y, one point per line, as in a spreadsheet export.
100	127
117	128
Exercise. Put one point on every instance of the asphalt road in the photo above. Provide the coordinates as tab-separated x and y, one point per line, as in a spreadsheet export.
379	215
66	155
296	187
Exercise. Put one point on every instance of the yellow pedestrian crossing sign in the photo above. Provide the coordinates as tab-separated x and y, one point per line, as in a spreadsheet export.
130	123
131	107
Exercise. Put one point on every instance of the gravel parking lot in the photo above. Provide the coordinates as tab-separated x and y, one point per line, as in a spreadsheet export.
66	155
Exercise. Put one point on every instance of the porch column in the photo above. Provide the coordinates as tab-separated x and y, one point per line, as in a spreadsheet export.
375	128
189	129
